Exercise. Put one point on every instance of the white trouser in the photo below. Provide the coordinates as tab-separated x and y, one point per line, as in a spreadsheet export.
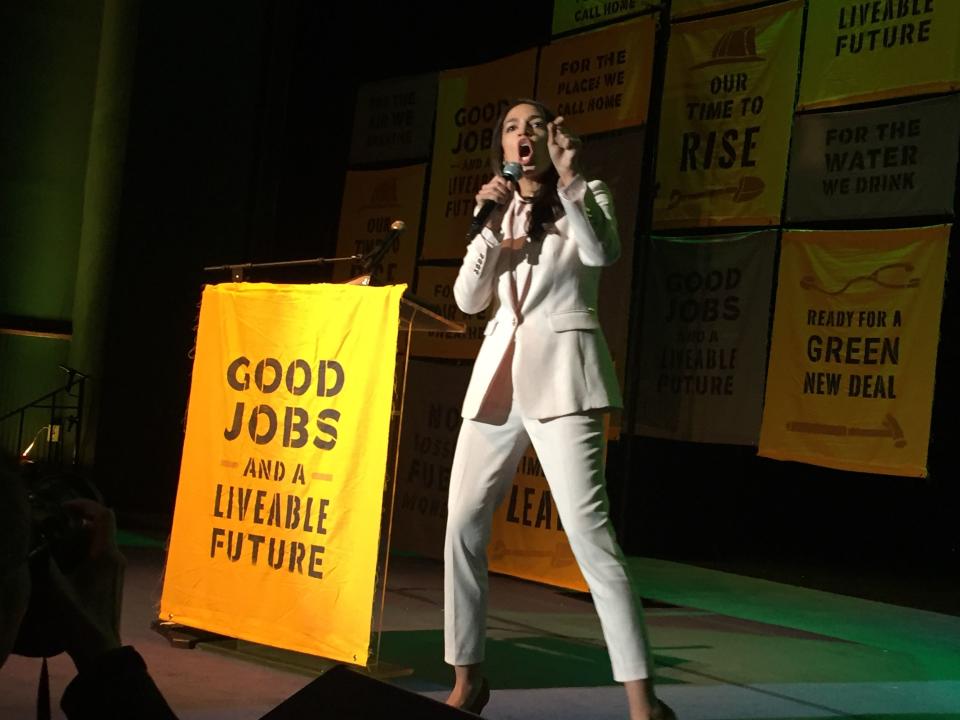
570	450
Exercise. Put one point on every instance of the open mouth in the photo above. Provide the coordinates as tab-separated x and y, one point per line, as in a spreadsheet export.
525	150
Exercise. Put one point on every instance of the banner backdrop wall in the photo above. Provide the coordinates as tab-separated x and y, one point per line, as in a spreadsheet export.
372	201
469	101
856	52
893	161
277	521
727	112
855	331
704	338
600	80
393	120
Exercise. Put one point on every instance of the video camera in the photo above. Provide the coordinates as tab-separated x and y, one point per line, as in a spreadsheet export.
57	535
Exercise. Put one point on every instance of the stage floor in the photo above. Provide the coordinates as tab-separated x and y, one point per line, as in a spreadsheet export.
725	646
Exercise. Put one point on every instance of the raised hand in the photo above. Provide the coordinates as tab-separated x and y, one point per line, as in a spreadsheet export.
564	149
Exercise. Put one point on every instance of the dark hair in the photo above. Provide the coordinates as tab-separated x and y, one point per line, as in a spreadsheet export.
546	203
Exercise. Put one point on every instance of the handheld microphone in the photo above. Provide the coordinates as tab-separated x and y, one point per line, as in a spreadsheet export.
511	171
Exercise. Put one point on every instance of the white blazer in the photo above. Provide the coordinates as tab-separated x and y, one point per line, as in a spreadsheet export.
561	362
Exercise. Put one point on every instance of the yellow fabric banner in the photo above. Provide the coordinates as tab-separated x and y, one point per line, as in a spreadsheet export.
863	51
468	103
277	522
527	539
372	201
600	80
853	355
727	113
570	15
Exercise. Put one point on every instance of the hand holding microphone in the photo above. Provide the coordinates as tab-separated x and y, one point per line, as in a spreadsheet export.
494	197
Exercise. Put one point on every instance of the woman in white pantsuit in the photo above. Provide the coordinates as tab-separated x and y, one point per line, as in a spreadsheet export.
543	376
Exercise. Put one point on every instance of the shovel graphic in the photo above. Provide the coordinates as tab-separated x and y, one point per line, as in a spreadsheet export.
748	188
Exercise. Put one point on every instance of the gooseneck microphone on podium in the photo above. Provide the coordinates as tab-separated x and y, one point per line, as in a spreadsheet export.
511	171
373	258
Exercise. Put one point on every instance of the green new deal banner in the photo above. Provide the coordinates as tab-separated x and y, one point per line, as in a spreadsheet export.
854	348
704	341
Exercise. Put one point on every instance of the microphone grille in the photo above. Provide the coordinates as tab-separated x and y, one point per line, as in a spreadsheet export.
513	171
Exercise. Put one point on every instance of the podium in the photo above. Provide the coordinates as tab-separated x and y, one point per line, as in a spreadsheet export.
415	316
283	378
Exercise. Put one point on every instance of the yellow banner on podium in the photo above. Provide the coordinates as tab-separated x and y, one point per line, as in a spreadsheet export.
277	522
854	349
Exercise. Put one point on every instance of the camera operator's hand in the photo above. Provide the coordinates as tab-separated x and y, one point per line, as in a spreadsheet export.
85	604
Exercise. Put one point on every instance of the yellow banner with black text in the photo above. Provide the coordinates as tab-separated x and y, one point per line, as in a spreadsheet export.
854	348
574	15
600	81
727	113
867	51
469	101
277	522
527	539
